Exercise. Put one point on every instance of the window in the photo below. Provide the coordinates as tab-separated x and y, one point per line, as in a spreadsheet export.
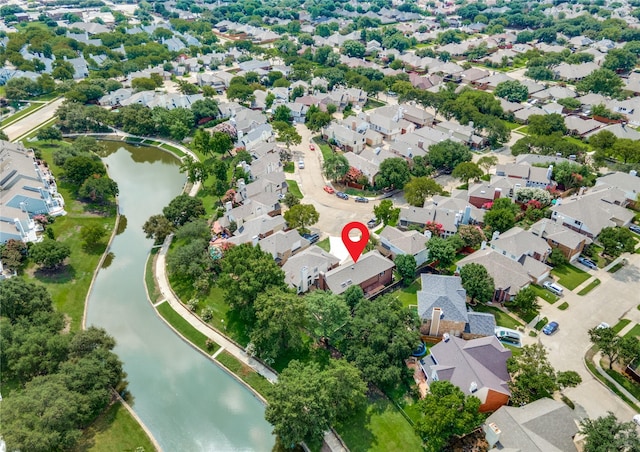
382	274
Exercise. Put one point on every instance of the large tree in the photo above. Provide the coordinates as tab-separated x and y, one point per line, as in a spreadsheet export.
526	302
608	341
220	143
380	336
420	188
602	81
246	271
13	254
546	124
158	227
512	90
441	250
477	282
502	215
606	434
78	169
99	189
616	241
394	172
300	216
467	170
327	314
49	253
533	378
447	154
445	413
183	208
406	266
471	235
280	318
335	166
386	213
307	400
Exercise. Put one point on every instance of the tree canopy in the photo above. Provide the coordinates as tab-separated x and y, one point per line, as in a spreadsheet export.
607	434
477	282
300	216
394	172
447	154
420	188
183	208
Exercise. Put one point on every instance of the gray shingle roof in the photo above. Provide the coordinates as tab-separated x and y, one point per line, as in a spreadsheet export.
445	292
369	265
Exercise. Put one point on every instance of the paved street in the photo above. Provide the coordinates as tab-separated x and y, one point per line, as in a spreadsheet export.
616	297
31	122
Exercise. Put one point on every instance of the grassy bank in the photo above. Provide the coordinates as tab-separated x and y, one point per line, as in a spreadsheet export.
293	188
246	373
570	276
149	279
114	431
186	329
592	285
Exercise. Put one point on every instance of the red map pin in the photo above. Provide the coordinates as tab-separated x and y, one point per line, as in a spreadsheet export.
356	247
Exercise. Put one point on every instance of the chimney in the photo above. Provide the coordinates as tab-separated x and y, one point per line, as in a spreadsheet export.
492	434
633	173
516	187
466	216
483	245
435	321
495	235
446	337
304	279
353	125
457	218
549	172
228	206
497	193
254	240
473	387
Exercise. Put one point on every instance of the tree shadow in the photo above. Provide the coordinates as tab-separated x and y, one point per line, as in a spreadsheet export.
356	429
108	260
94	248
627	273
60	275
237	328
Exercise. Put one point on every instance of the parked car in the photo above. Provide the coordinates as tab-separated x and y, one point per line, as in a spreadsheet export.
342	195
550	328
372	223
329	189
313	238
301	164
635	228
603	325
552	287
361	199
636	419
587	263
312	147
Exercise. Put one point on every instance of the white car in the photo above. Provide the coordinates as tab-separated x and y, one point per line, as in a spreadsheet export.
636	419
603	325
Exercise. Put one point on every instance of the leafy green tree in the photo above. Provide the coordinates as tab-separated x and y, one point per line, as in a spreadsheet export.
183	208
467	170
220	142
406	266
557	258
326	315
602	81
192	263
290	200
539	73
445	413
283	114
620	60
487	161
512	90
92	234
629	350
441	250
386	213
532	377
135	119
471	236
201	142
22	299
502	215
526	302
78	169
627	150
158	228
99	189
447	154
380	336
316	119
353	48
3	136
280	318
607	434
335	166
13	254
49	134
546	124
608	341
50	254
307	400
394	172
420	188
300	216
353	295
477	282
570	103
616	241
196	171
247	271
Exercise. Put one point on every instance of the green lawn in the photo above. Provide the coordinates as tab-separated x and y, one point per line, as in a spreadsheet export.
626	383
114	431
289	167
378	427
70	284
324	244
564	306
616	267
634	332
324	147
293	188
570	276
185	328
620	325
502	318
592	285
246	373
408	295
511	125
173	149
541	323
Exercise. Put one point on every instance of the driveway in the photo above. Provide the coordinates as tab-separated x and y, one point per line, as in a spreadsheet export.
616	297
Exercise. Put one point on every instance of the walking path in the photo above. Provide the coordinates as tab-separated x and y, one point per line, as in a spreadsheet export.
596	360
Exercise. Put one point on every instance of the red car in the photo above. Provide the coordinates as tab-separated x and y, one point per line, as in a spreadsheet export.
329	189
312	147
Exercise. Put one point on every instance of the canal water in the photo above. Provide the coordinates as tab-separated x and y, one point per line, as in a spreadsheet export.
187	402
